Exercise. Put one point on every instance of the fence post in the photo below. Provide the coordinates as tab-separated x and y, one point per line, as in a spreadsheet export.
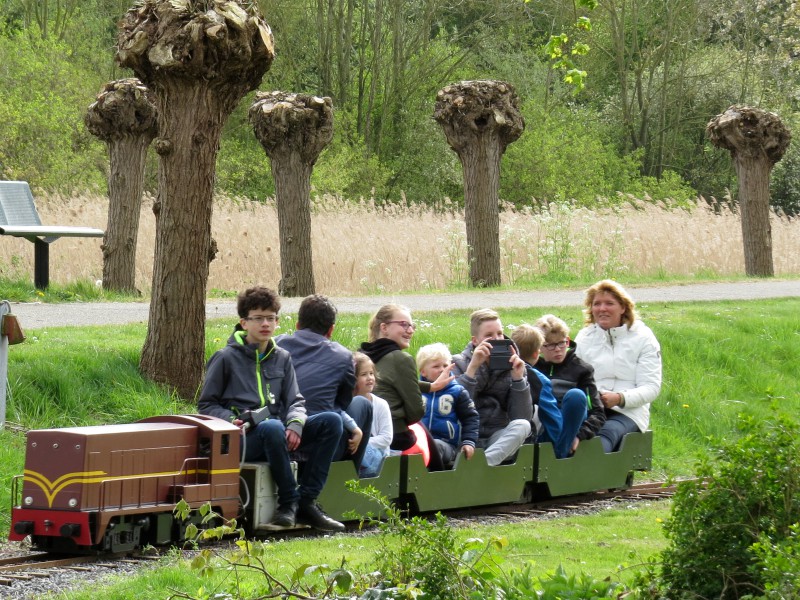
5	308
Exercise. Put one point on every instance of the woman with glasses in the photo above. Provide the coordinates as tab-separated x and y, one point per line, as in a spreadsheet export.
583	414
626	357
390	332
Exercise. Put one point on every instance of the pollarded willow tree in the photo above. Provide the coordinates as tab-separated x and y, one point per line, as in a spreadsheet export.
124	117
293	129
757	140
198	57
480	119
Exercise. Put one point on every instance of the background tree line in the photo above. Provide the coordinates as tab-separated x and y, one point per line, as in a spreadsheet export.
658	70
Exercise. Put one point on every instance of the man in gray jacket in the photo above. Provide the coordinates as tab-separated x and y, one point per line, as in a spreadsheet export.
251	383
501	393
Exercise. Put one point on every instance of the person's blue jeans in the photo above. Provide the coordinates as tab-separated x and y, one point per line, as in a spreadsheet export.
614	429
372	462
321	434
573	413
361	410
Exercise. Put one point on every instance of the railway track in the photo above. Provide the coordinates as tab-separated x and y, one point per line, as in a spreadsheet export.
37	565
564	506
34	574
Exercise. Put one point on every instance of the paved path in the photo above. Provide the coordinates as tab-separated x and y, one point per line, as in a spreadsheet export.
37	315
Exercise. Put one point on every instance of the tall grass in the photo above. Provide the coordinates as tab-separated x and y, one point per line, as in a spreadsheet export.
364	248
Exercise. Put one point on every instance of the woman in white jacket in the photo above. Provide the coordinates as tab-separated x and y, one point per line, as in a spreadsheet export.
626	357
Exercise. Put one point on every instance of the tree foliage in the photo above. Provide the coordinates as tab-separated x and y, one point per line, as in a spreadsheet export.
652	73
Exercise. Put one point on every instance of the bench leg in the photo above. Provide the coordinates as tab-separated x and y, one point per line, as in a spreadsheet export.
41	264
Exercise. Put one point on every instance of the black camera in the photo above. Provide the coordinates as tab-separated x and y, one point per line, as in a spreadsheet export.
251	418
501	355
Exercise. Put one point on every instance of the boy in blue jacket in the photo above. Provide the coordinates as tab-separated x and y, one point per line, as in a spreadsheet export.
529	342
450	414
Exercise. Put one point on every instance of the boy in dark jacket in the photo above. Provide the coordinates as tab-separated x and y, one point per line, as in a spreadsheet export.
251	383
573	385
450	414
501	394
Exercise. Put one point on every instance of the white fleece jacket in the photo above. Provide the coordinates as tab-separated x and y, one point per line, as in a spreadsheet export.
626	360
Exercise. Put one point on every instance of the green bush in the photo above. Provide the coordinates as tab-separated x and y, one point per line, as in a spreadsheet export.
747	492
781	562
565	153
43	97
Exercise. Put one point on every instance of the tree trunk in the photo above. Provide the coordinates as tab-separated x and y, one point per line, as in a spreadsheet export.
293	129
756	139
174	350
198	59
753	174
125	117
125	185
481	164
293	186
480	119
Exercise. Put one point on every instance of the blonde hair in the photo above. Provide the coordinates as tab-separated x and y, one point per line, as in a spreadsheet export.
384	315
529	340
477	318
552	327
437	351
361	360
610	286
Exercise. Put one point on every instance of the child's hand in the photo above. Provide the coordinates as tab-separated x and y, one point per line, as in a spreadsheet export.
444	379
355	440
467	451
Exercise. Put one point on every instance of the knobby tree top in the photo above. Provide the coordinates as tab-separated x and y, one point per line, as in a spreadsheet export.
296	122
749	133
473	108
123	108
217	41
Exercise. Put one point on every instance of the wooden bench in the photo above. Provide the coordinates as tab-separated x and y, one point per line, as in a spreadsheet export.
19	218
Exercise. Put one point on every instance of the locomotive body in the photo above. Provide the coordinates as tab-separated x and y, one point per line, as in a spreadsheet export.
113	488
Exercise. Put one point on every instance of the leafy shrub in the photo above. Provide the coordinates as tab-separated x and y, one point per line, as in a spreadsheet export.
736	517
566	153
781	562
43	97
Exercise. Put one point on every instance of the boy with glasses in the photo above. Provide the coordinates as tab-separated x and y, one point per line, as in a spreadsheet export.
573	384
252	383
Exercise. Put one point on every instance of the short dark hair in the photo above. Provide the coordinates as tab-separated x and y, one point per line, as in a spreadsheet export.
256	298
316	313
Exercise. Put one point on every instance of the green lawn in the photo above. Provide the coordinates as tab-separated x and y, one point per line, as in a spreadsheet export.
721	359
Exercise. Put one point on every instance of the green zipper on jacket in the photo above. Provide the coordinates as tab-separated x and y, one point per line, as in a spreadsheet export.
259	359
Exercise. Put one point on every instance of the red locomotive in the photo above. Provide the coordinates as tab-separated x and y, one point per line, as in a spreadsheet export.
113	488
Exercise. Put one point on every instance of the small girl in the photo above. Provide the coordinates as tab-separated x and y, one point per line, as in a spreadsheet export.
381	434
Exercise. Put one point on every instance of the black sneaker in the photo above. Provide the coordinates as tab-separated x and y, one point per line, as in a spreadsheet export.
285	516
310	513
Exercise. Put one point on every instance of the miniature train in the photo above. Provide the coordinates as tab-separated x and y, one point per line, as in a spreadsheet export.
114	488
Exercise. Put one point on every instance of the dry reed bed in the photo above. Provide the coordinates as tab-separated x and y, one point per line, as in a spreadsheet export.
361	248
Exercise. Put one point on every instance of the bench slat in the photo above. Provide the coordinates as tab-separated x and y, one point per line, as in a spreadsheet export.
28	231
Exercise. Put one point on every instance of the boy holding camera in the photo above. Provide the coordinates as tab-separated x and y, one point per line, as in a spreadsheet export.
498	387
251	383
